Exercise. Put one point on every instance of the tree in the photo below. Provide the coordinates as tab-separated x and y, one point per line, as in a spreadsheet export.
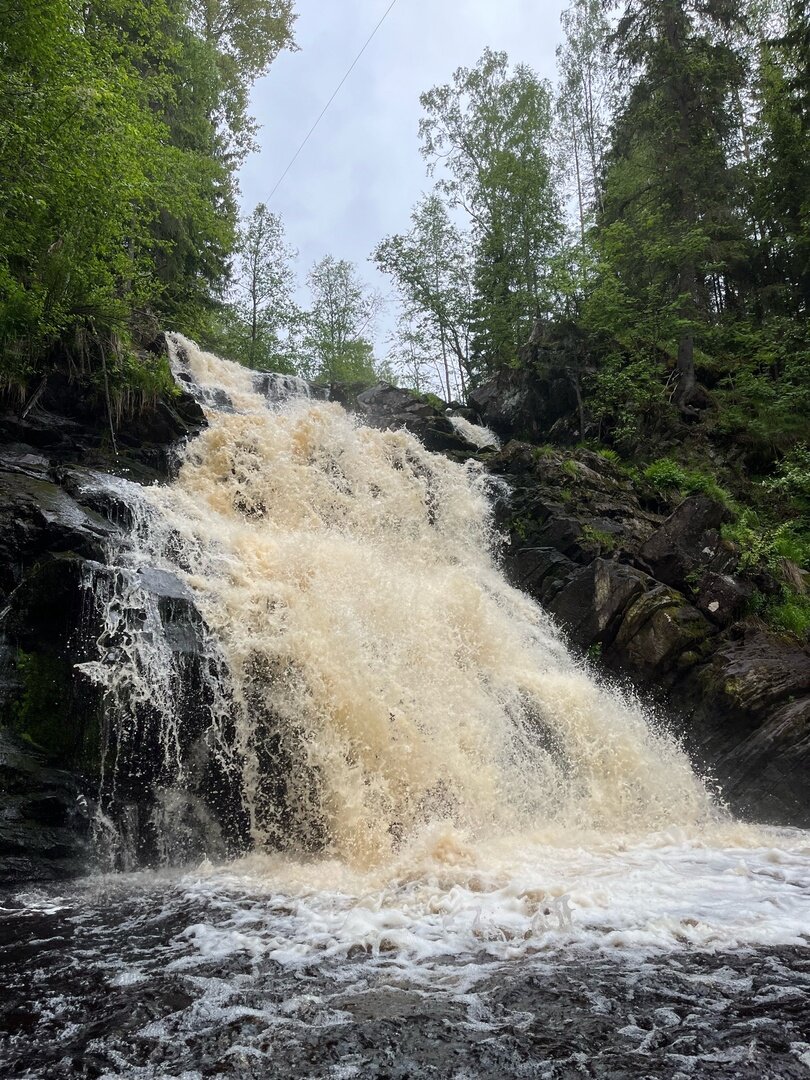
265	287
246	37
489	134
413	357
119	140
432	268
343	308
780	169
584	98
668	220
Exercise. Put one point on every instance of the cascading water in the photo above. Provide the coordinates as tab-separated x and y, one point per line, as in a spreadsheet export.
310	660
377	676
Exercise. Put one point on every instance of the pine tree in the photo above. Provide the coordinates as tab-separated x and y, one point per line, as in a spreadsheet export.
668	220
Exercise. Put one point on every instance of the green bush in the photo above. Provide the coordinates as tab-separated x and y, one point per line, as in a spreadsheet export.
667	475
764	546
609	455
791	614
605	540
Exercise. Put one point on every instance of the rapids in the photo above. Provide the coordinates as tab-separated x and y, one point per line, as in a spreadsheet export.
447	816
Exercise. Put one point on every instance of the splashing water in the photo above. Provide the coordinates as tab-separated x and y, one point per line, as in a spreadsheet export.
420	761
482	437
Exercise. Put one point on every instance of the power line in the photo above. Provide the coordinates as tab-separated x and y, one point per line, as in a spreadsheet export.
338	88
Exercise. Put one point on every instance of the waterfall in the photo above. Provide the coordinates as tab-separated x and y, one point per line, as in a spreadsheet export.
368	672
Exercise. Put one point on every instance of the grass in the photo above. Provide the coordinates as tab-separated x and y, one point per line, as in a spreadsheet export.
666	475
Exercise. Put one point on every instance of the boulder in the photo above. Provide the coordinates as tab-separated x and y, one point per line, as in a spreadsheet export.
722	597
659	634
755	672
39	516
689	540
766	775
751	725
540	572
44	816
591	604
386	406
525	403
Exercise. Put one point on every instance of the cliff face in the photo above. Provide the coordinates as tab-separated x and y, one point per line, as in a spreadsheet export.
655	600
56	524
654	595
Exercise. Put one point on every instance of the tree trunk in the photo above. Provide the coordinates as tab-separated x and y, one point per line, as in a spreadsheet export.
686	342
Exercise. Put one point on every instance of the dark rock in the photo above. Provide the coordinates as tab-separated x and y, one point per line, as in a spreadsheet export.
591	604
751	725
722	597
181	621
523	403
38	516
688	540
757	671
766	774
658	630
44	816
540	572
69	422
386	406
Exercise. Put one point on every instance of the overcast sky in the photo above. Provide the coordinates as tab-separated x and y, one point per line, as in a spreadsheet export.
361	171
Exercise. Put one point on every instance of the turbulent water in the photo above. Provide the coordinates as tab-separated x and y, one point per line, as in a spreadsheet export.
448	816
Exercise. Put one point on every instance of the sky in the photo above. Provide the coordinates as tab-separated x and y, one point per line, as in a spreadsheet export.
361	172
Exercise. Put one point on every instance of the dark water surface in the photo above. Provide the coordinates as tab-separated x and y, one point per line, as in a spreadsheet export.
104	981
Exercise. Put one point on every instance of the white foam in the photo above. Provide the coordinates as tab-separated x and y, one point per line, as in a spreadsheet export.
506	902
476	434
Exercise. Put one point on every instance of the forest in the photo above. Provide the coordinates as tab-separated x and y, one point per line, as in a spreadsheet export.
644	220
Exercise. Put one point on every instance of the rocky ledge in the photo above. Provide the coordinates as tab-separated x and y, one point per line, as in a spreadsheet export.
658	600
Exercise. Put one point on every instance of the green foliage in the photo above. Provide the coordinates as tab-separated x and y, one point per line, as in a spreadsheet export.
609	455
490	133
431	399
764	545
342	309
791	614
118	128
432	269
667	475
262	328
605	540
792	479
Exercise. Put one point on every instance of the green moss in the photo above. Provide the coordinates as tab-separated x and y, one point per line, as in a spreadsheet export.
571	468
429	399
44	712
605	540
